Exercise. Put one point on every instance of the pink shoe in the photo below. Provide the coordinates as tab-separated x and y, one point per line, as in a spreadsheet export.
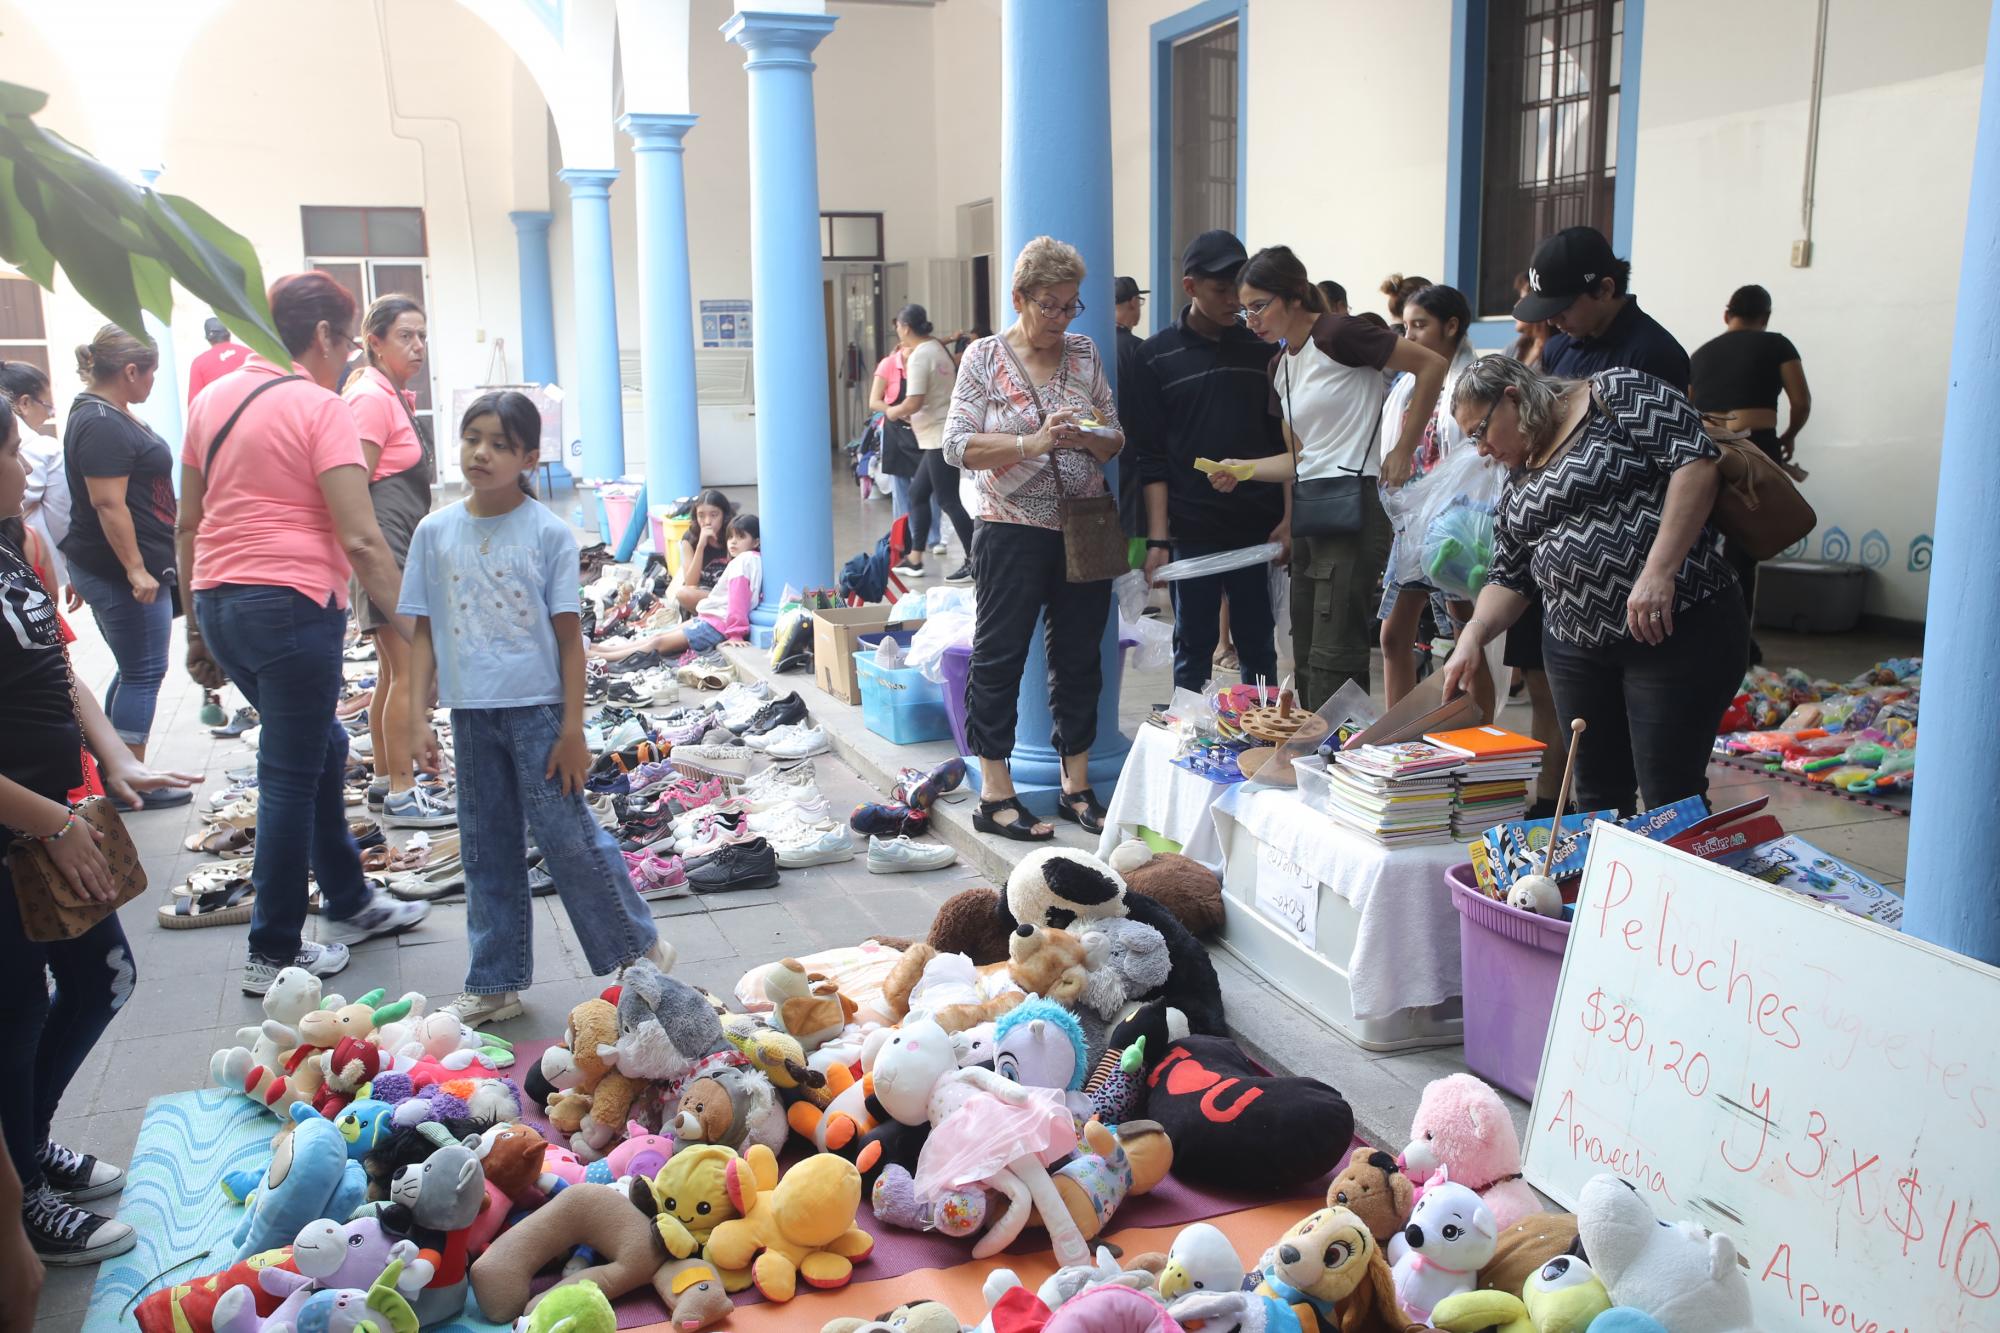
654	875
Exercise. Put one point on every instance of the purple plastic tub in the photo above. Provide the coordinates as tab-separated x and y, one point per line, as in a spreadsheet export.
957	663
1512	961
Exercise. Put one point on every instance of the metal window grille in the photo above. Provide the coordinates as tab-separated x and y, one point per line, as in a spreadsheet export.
1204	113
1553	69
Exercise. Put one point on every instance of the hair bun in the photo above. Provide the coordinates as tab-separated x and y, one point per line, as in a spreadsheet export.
86	363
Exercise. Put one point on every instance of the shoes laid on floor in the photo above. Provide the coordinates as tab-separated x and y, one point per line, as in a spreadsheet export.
813	846
738	865
244	719
785	712
732	806
656	876
625	735
766	799
472	1010
960	576
710	836
797	741
78	1176
684	726
899	856
383	915
888	819
362	746
419	807
781	814
754	692
637	662
66	1236
163	798
923	789
779	780
322	960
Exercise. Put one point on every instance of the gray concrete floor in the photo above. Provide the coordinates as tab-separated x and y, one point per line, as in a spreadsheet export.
188	1001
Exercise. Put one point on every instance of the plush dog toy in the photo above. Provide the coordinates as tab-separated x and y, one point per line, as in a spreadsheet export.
593	1098
664	1027
1328	1269
1681	1274
810	1008
799	1227
1462	1126
1375	1189
947	988
1052	963
1450	1235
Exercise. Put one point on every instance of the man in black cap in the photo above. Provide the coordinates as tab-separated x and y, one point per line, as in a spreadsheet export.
1200	388
1129	301
1579	286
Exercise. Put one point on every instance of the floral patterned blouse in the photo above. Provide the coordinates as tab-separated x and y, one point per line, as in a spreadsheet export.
992	398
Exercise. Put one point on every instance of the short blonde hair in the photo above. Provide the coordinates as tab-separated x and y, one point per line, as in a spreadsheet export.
1044	262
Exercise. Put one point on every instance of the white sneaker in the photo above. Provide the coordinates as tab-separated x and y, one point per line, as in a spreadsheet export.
778	778
322	960
789	814
813	846
472	1010
898	856
626	733
939	548
737	693
794	742
383	915
773	797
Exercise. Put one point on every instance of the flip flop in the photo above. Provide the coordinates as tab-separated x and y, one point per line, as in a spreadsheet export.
1021	828
229	904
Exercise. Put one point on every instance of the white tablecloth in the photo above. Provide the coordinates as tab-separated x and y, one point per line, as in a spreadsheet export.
1154	791
1406	950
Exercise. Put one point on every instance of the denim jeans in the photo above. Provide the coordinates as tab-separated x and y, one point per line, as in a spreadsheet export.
138	633
1652	710
1198	620
503	794
46	1037
283	652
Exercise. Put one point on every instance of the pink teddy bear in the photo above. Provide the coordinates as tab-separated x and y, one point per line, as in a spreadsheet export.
1462	1126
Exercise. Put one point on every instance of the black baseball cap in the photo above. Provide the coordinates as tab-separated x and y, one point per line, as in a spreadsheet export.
1565	266
1214	254
1124	289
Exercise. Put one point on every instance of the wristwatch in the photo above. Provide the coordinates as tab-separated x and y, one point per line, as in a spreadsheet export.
1155	544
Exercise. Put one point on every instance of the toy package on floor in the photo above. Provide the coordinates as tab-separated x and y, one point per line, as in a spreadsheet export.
1795	864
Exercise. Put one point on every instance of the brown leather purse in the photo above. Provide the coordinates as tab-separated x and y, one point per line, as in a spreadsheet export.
1759	510
1094	547
51	907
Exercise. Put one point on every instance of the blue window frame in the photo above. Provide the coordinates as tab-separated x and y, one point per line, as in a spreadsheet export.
1467	191
1166	35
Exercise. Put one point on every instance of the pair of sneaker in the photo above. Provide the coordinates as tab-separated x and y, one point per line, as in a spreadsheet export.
798	740
64	1234
381	915
476	1010
420	806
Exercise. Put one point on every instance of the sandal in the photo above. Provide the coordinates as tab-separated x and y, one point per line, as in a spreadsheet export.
1082	807
228	903
1021	828
225	841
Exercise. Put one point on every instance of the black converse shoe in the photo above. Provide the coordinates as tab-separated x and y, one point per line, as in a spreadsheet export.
66	1236
78	1176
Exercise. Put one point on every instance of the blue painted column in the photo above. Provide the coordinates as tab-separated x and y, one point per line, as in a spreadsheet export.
594	379
538	308
1950	886
1055	180
162	410
794	453
666	306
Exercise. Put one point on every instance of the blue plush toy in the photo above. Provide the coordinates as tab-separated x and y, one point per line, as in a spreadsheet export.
310	1177
366	1125
1040	1044
1625	1319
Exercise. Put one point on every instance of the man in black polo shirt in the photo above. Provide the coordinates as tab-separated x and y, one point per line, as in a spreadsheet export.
1201	389
1129	303
1579	286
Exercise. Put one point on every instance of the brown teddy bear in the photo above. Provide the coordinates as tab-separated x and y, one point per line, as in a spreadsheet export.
1049	962
924	968
592	1108
1184	886
1375	1190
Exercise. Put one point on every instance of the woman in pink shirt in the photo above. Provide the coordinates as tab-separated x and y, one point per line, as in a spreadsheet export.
399	488
274	518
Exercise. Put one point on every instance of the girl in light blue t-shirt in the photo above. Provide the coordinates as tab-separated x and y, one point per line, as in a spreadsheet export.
492	584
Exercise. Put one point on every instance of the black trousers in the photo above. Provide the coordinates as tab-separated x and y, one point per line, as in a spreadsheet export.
1022	576
1652	710
937	477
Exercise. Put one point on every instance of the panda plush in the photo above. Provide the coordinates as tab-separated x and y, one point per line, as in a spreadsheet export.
1068	889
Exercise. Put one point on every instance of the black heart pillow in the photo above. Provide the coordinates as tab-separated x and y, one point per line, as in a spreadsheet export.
1233	1125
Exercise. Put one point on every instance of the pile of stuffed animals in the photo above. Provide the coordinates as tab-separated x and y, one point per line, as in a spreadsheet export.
1043	1056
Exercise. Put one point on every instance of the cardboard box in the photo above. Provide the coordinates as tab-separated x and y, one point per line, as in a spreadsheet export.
836	638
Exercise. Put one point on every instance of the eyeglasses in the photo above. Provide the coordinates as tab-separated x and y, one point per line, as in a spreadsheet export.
1478	433
1255	310
45	405
1070	311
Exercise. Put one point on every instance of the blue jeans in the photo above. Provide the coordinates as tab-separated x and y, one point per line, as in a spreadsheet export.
701	635
47	1036
1198	620
283	652
138	633
503	794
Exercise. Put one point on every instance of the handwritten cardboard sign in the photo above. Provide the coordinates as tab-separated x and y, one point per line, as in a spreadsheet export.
1286	894
1824	1090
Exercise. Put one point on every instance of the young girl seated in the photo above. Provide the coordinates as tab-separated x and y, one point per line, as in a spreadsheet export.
492	584
704	550
723	612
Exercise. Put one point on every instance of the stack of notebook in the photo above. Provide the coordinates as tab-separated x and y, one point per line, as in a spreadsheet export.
1499	768
1399	795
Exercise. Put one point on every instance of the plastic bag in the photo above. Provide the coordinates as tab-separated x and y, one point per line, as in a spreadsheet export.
1130	588
946	600
910	606
939	632
1453	525
1221	562
1152	643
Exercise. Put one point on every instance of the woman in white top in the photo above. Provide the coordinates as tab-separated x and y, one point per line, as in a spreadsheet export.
1327	385
45	507
927	383
1436	318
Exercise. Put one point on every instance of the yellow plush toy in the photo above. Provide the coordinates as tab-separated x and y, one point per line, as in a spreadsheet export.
798	1227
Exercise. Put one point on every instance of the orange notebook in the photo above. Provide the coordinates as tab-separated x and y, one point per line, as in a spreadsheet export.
1486	742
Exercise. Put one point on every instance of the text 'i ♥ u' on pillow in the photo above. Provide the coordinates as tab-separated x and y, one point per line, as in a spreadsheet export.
1232	1125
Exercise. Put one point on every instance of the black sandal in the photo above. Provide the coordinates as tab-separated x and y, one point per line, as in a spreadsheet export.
1082	807
1021	828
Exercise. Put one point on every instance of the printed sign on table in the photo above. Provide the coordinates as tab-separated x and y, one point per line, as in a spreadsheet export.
1287	895
1822	1089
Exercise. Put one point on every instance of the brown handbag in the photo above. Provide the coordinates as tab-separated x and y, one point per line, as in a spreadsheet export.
1094	547
51	908
1758	508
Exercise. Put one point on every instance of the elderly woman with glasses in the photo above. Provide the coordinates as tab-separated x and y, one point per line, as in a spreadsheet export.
1032	417
1606	513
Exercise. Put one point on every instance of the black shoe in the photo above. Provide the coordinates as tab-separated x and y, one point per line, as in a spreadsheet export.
961	576
737	865
637	662
66	1236
78	1176
778	713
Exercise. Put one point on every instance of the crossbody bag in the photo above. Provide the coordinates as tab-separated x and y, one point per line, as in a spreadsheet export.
1323	506
1093	542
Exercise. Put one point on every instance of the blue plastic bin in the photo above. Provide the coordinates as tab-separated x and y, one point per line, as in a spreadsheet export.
900	705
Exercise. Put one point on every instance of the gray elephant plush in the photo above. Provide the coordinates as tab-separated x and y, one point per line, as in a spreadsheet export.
664	1026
